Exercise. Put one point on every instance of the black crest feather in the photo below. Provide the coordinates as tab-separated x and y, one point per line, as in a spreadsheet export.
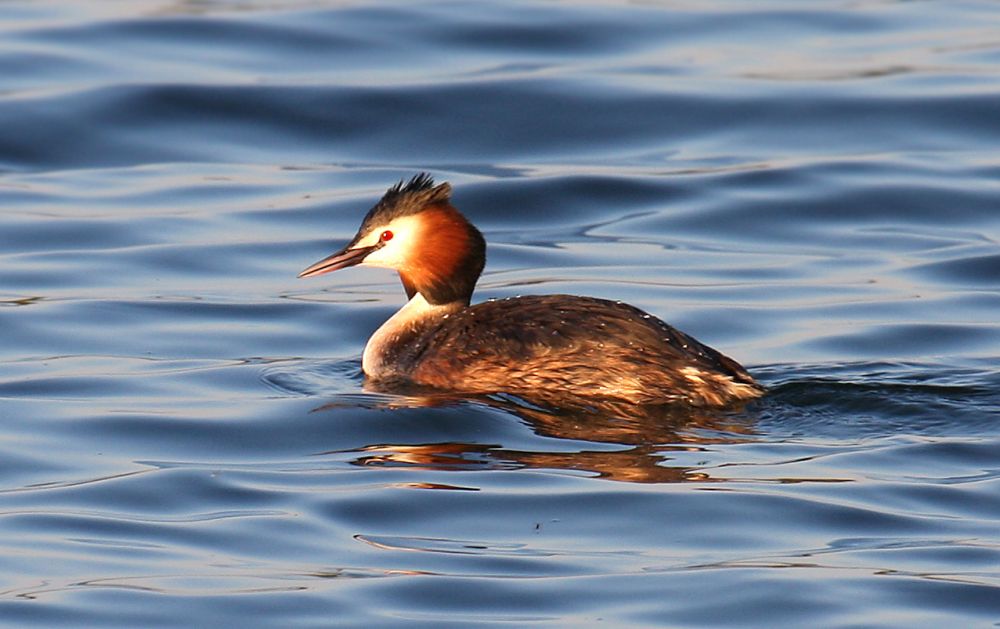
417	183
407	197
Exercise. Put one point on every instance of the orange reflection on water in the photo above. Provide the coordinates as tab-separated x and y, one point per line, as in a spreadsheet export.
645	436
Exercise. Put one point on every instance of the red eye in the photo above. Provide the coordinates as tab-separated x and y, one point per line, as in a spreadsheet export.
386	235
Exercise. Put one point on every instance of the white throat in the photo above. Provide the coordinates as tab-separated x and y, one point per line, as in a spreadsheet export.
374	362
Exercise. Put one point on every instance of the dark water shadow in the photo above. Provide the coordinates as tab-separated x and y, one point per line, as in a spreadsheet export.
851	402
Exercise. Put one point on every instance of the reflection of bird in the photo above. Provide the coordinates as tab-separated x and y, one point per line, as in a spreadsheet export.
542	346
650	441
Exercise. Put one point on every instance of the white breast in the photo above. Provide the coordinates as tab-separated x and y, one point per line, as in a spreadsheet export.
373	362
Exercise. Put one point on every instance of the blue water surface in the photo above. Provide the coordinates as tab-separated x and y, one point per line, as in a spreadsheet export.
185	437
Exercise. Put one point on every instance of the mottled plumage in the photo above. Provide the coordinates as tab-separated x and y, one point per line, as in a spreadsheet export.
587	346
536	347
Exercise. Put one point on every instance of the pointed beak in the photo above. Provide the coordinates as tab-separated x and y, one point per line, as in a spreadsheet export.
341	260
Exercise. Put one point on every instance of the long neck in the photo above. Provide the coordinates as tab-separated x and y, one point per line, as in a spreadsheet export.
400	332
451	258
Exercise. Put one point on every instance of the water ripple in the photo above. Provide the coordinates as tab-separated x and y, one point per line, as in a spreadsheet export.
186	437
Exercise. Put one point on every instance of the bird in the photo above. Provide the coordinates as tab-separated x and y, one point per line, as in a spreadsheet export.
536	347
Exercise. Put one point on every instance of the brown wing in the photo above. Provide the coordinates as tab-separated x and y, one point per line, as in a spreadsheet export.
578	345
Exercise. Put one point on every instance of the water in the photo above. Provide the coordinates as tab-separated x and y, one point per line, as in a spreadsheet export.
813	188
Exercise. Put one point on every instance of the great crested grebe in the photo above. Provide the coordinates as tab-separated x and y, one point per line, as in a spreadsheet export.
555	345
